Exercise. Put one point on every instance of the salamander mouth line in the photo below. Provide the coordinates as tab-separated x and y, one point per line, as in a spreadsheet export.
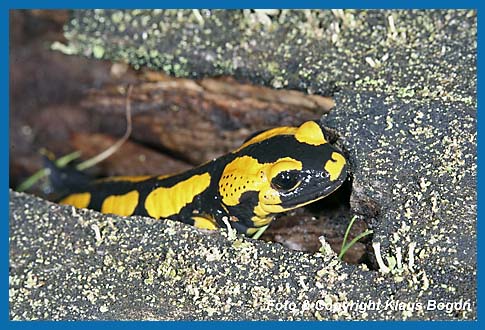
304	200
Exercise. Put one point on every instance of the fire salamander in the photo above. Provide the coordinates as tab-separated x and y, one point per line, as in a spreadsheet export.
275	171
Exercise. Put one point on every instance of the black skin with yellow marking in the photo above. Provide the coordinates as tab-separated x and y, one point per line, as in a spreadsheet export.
275	171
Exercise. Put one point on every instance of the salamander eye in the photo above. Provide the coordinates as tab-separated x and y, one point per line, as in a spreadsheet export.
286	181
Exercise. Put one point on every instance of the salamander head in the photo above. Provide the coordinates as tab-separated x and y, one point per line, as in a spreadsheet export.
292	185
282	169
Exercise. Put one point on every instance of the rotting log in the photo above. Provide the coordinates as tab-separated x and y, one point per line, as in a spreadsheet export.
130	159
200	120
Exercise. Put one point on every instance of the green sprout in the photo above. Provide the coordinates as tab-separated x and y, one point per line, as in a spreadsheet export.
64	160
259	232
345	245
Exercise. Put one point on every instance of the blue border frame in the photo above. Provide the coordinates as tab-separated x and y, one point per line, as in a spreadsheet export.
370	4
5	6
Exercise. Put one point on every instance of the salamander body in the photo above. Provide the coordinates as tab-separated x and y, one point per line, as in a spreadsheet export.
275	171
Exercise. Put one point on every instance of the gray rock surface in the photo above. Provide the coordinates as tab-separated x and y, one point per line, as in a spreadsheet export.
79	264
405	88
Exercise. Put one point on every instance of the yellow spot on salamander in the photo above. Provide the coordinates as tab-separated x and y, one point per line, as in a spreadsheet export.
164	202
204	223
335	165
123	205
284	130
241	175
310	133
245	174
260	222
263	209
251	231
77	200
